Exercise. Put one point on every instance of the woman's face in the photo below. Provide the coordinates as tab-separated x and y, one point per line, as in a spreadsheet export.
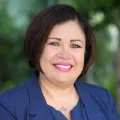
62	60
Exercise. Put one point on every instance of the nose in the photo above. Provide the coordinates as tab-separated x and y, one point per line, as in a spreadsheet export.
64	55
64	52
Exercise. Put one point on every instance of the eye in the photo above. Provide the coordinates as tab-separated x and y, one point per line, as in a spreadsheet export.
75	46
54	43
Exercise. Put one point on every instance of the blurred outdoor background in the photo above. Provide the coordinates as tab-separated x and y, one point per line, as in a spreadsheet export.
103	15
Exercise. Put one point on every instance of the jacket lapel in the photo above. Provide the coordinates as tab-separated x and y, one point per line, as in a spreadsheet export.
38	107
93	110
39	110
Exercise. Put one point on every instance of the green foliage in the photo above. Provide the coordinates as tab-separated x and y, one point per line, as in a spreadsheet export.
7	85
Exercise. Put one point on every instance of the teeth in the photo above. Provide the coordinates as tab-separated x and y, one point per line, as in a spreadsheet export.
62	66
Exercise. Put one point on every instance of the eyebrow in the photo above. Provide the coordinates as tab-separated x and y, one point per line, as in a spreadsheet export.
72	40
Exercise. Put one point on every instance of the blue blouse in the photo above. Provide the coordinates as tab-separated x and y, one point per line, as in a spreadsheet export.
76	113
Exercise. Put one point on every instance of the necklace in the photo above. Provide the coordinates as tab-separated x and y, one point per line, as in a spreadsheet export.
62	109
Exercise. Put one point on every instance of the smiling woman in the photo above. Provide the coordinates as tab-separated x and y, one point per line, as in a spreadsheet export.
63	54
60	45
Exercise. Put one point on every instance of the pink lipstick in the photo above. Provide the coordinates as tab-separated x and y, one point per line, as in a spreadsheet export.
63	67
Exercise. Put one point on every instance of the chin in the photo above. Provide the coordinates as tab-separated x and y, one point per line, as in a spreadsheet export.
65	80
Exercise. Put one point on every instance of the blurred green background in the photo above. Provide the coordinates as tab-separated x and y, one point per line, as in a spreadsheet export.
103	15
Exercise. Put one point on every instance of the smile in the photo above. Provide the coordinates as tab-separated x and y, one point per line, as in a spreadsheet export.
63	68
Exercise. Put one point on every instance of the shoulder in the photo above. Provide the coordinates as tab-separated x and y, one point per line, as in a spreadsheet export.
93	90
100	97
13	99
14	94
97	93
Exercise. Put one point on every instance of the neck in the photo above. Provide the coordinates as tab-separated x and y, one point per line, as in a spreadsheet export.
57	90
59	95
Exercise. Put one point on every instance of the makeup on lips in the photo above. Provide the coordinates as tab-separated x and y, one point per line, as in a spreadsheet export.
63	67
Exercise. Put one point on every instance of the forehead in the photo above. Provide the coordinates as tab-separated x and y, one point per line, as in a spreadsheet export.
68	30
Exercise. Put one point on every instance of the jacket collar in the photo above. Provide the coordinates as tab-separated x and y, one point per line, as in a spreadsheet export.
93	107
39	108
85	95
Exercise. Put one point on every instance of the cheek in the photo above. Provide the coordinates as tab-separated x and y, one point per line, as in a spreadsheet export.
79	63
79	58
47	57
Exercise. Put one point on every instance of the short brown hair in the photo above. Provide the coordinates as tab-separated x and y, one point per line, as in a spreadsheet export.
40	28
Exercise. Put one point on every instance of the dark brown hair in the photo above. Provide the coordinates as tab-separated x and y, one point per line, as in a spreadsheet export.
40	28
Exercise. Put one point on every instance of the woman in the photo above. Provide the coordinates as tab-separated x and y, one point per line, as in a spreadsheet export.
60	45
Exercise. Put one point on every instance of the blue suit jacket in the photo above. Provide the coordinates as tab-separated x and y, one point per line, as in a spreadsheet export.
27	102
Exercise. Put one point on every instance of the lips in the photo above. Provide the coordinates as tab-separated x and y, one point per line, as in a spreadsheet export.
63	67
